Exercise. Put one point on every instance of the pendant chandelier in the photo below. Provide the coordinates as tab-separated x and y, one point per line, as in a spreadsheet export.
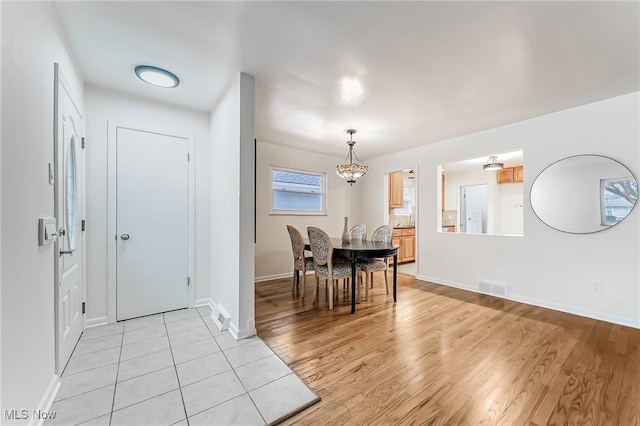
351	171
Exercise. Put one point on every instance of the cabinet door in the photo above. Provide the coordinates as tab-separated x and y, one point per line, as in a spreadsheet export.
396	198
408	249
505	175
518	174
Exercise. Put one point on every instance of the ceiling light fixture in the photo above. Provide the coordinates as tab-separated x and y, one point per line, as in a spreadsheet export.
493	164
351	171
157	76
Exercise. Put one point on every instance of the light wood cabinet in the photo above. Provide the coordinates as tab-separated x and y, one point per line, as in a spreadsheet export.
510	174
396	190
405	238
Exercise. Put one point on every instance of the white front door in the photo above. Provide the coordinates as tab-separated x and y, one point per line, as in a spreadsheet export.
69	189
152	222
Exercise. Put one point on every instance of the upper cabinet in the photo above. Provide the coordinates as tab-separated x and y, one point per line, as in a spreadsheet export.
396	196
510	174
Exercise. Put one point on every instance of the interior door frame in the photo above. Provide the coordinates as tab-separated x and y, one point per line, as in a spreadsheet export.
112	128
61	81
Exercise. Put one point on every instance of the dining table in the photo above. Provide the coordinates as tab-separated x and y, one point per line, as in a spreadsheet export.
360	250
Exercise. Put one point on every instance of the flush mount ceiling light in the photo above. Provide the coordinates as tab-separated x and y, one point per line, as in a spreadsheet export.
493	164
351	171
157	76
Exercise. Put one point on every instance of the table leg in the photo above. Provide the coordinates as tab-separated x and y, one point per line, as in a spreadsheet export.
395	275
353	282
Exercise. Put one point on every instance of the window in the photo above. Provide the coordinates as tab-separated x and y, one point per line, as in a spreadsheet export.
297	192
617	198
406	198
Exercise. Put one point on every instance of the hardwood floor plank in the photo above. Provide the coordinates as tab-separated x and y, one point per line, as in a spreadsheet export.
447	356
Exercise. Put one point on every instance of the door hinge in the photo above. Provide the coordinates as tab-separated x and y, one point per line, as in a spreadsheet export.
188	280
84	225
84	305
188	157
82	143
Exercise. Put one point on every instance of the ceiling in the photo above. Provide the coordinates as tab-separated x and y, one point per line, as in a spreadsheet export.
403	74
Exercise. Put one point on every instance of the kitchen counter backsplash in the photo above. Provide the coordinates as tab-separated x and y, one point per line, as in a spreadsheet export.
400	220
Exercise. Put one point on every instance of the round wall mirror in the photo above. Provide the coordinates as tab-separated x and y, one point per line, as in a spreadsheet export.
71	188
584	194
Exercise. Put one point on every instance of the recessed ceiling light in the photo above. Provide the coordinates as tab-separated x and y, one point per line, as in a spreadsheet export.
157	76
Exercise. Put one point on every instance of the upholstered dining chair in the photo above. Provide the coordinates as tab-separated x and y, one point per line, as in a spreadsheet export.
358	232
301	263
382	234
325	265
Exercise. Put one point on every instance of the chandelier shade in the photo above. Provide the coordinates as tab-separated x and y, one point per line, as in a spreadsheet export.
351	171
493	164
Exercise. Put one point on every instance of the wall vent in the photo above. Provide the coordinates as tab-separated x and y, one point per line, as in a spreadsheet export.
491	288
221	320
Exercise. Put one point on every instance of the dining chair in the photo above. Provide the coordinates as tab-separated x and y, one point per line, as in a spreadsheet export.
325	265
301	263
358	232
382	234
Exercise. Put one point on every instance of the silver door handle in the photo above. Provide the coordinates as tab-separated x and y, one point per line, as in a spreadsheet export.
66	252
124	237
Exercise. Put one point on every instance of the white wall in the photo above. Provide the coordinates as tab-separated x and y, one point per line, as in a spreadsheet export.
232	211
545	267
273	248
31	43
104	105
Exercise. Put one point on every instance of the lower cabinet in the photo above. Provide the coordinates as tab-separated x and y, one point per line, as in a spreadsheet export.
405	238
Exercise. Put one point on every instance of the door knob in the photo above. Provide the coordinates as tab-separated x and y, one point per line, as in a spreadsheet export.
66	252
124	237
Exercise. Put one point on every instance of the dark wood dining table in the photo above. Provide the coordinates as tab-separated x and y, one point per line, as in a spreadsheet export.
356	250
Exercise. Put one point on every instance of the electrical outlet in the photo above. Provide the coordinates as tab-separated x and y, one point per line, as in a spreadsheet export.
597	288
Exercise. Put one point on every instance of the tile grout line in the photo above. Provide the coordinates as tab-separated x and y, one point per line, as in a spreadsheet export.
240	381
115	385
175	368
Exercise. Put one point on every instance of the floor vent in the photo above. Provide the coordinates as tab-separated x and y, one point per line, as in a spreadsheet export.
494	289
221	320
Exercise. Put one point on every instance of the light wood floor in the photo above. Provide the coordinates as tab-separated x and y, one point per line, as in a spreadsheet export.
447	356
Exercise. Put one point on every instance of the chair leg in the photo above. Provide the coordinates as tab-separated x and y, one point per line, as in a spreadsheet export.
315	290
295	276
371	280
304	278
331	296
366	286
386	281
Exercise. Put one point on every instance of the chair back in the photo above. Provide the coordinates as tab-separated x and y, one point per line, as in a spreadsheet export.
297	243
382	234
321	246
359	233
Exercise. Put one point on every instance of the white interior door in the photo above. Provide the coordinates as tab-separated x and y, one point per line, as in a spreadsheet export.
69	189
152	222
473	205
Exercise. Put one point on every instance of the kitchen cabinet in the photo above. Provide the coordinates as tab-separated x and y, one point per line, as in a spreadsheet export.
405	238
396	190
510	174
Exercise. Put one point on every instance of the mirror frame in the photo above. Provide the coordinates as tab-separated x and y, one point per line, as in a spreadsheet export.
605	227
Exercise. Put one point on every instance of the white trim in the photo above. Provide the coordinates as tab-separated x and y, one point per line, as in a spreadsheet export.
629	322
111	209
277	276
203	302
95	322
47	399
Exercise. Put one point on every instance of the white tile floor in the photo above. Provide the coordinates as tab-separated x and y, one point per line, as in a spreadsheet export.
175	368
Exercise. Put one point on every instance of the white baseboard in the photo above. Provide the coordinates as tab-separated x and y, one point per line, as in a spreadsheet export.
628	322
277	276
47	400
95	322
204	302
